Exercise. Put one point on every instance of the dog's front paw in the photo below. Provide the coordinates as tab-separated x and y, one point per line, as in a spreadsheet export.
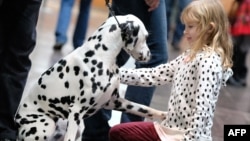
164	115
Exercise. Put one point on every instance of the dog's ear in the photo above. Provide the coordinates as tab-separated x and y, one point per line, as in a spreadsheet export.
128	30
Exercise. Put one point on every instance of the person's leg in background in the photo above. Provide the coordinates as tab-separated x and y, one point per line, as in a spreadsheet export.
179	27
170	4
63	22
82	23
241	47
18	22
177	36
157	42
97	126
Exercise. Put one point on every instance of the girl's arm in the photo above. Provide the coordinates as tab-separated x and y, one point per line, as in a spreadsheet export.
159	75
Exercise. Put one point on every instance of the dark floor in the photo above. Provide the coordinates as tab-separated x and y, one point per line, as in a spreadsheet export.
233	106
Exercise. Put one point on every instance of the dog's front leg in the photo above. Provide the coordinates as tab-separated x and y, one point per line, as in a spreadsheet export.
80	131
123	105
72	127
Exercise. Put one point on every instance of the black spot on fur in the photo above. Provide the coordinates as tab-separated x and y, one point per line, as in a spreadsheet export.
129	41
42	120
94	62
32	131
26	121
86	60
40	81
66	84
107	72
59	109
44	98
67	100
67	69
76	115
40	110
99	65
130	106
61	75
117	71
100	72
112	28
82	93
85	73
136	30
117	104
48	72
97	46
92	101
43	86
94	87
76	69
104	47
59	68
143	110
62	62
100	29
92	69
83	100
99	38
90	38
54	101
81	83
25	105
106	87
136	39
89	53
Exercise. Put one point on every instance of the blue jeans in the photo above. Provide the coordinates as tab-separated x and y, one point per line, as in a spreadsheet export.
178	33
64	21
155	22
18	22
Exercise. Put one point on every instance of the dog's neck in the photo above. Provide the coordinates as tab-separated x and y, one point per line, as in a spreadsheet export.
105	42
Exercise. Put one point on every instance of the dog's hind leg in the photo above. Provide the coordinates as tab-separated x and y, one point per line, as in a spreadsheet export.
36	128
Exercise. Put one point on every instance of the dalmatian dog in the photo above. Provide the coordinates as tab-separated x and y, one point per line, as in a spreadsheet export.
83	82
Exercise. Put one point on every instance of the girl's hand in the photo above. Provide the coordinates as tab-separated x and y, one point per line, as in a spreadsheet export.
153	4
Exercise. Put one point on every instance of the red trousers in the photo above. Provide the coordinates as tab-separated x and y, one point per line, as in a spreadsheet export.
133	131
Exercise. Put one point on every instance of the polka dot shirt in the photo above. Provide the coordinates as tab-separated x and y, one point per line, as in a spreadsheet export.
194	92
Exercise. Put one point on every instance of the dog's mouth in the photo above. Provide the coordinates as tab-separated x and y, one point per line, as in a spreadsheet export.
144	58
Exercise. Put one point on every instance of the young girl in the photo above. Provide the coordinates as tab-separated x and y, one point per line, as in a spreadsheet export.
196	76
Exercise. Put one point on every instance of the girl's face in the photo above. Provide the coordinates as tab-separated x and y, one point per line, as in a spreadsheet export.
191	32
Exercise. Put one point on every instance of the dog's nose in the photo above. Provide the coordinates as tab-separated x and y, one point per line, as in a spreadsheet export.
146	57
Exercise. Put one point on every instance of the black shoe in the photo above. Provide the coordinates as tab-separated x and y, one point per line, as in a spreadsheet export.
58	46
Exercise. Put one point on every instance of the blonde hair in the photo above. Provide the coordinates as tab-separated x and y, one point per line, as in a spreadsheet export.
217	37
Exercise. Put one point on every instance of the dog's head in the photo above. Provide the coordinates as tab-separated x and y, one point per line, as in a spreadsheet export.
134	36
